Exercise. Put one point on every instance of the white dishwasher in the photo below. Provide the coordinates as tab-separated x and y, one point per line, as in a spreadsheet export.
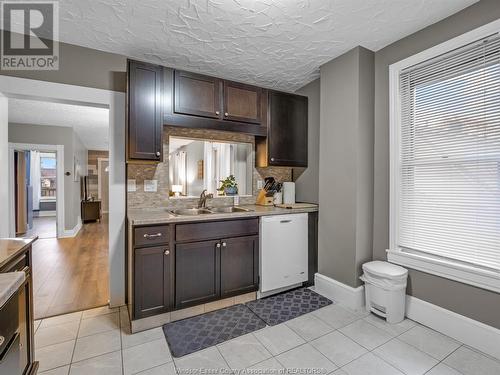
283	252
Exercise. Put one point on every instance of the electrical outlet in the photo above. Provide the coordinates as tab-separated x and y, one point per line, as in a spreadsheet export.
260	184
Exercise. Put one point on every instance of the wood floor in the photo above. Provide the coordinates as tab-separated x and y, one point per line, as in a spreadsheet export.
71	274
43	227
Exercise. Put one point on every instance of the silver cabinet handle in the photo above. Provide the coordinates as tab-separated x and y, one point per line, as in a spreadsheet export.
285	221
167	252
218	245
224	244
158	153
272	159
146	235
226	114
217	112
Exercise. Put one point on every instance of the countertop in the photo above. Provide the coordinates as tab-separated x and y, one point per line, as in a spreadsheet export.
12	247
162	216
9	283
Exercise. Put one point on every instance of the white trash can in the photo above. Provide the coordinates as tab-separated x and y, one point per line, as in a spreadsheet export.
385	289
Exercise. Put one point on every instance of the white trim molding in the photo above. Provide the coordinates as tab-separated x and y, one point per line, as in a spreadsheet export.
60	210
353	298
73	232
468	331
116	102
482	278
445	268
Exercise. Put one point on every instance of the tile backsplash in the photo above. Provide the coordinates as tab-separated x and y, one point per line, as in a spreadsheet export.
159	172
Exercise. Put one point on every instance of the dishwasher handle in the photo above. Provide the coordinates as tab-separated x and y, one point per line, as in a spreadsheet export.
285	221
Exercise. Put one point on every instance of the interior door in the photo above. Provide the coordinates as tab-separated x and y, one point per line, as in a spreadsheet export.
104	184
20	192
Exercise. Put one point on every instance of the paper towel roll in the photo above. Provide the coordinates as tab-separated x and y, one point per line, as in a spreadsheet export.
289	192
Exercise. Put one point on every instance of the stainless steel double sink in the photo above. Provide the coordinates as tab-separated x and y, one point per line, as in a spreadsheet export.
208	211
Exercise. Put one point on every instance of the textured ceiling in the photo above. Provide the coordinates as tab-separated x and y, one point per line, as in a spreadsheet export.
273	43
90	123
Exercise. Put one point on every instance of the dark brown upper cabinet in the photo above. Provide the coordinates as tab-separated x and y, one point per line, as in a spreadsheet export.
197	95
242	102
286	142
197	101
145	120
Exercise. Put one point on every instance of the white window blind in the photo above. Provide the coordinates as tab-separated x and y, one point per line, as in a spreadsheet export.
449	165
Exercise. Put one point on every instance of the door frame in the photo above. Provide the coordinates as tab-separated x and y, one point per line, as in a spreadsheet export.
59	150
116	103
99	185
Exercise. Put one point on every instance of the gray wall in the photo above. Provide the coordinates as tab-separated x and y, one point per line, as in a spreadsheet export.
306	185
57	135
82	67
346	165
463	299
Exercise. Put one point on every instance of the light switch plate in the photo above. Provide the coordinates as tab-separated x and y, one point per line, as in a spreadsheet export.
150	185
131	186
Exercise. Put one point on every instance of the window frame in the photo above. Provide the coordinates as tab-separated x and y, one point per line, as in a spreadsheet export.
454	270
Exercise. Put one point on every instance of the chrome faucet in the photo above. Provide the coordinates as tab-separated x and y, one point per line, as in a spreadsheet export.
202	202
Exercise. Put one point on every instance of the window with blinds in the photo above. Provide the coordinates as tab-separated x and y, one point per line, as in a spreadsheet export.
449	166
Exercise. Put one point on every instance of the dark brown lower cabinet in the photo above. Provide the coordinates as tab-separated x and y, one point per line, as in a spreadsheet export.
153	270
239	271
21	359
197	270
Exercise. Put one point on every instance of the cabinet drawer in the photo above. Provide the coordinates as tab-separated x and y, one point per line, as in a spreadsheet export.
18	264
216	229
144	236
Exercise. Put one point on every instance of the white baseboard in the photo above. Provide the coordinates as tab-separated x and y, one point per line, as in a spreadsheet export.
353	298
470	332
72	232
45	213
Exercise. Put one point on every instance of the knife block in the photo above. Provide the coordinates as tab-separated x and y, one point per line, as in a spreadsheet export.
263	200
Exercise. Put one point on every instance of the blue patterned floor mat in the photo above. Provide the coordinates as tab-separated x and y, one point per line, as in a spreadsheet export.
199	332
285	306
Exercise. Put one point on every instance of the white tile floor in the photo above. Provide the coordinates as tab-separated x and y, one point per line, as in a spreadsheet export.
330	340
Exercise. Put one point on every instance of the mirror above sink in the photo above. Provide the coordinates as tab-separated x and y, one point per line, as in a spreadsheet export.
221	168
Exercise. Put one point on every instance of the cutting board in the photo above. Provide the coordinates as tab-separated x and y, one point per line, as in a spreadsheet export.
297	205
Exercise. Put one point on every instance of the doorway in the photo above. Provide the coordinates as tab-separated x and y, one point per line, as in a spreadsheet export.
70	270
13	87
35	188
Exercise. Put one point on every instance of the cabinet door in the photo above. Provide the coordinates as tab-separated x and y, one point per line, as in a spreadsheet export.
287	135
197	273
242	102
152	281
144	111
239	265
196	94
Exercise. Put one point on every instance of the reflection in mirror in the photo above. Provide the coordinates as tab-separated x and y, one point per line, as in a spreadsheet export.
221	168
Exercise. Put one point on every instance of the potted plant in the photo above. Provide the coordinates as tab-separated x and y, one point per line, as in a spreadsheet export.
229	186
